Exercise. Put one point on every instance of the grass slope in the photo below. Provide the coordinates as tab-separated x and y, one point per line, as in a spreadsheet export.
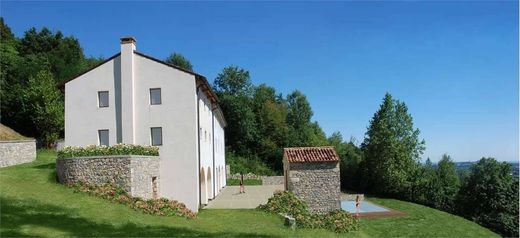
32	204
7	133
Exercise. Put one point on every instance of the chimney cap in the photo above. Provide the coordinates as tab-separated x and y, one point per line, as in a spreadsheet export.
127	39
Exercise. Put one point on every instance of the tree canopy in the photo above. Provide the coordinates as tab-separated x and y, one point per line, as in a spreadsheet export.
489	196
392	149
180	61
34	65
261	122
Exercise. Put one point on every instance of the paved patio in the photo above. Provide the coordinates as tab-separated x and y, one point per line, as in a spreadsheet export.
229	198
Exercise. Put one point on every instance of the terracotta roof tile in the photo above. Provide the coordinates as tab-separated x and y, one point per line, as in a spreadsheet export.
310	154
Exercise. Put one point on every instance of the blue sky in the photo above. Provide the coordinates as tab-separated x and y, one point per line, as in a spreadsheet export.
455	64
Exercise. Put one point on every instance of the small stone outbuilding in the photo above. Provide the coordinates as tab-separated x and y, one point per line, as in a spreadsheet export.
313	175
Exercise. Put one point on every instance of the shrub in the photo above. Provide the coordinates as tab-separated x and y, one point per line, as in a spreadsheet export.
161	207
287	203
119	149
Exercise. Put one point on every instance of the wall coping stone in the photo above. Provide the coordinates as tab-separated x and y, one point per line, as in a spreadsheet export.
112	156
17	141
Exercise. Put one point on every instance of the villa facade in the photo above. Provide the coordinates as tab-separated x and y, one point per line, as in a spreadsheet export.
133	98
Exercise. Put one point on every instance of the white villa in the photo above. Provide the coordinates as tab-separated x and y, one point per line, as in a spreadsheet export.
133	98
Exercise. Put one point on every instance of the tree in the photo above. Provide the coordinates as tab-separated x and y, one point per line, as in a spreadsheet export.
233	87
179	61
5	32
271	114
489	197
64	54
392	150
351	157
302	131
450	183
233	81
426	187
46	104
24	58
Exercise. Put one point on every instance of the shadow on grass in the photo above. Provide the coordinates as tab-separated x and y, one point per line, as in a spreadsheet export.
17	214
46	166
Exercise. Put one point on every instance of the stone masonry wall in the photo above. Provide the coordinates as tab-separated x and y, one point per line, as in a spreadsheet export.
17	152
318	184
272	180
145	177
131	173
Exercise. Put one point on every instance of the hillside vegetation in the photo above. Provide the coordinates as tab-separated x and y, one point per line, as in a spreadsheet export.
33	204
7	133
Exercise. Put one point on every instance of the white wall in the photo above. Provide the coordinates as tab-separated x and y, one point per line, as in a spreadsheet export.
206	145
220	161
83	117
130	116
177	117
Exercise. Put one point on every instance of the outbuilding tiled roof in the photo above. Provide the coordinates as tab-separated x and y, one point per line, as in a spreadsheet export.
310	154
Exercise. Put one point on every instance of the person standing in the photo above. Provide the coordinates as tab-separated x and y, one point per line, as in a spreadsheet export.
242	189
358	204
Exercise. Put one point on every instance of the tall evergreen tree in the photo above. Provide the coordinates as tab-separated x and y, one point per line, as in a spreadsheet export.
392	149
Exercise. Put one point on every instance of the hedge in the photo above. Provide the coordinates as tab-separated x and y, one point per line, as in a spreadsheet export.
119	149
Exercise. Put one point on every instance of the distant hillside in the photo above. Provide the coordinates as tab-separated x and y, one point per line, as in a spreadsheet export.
7	133
466	165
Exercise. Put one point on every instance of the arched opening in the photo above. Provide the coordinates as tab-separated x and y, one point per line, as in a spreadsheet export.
209	184
203	189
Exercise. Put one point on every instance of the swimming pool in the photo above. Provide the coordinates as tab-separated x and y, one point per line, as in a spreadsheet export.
350	206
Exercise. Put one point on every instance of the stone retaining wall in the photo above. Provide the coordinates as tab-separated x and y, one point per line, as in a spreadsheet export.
272	180
17	152
316	183
246	176
137	175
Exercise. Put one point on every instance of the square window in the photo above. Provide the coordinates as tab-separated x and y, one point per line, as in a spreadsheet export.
156	135
103	98
155	96
103	137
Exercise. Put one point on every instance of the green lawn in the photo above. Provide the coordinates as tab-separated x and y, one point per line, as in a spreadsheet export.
32	204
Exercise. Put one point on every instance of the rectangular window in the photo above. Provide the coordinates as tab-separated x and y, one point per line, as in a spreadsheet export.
103	98
156	135
103	137
155	96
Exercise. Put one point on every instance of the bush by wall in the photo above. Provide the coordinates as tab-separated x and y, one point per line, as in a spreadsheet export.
287	203
161	207
119	149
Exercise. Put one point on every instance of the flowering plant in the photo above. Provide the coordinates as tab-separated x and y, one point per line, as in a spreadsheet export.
119	149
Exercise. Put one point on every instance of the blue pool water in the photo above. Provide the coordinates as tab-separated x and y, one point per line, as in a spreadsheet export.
350	206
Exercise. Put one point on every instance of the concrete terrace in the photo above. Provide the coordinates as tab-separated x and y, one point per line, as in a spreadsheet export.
229	198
